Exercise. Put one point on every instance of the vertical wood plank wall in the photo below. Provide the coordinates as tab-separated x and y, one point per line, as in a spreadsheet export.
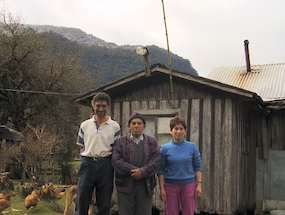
276	130
220	128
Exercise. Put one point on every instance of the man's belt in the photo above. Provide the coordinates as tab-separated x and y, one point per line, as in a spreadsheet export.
99	158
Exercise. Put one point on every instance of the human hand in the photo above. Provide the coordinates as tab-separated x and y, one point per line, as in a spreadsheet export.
137	174
163	195
198	191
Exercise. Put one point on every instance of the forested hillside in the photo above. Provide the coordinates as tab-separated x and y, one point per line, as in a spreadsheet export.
40	73
108	61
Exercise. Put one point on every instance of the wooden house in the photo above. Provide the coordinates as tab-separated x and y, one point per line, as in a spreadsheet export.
268	81
7	136
224	121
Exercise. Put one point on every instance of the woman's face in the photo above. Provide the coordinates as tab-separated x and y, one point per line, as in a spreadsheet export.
178	133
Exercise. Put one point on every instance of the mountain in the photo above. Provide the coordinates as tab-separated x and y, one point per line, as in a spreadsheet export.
74	34
113	61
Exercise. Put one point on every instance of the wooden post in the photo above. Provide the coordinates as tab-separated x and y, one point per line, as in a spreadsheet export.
3	146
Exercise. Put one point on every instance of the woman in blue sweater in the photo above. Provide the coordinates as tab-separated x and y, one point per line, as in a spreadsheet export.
180	172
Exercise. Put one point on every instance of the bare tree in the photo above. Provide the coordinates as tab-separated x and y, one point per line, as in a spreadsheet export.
39	74
39	69
16	47
37	152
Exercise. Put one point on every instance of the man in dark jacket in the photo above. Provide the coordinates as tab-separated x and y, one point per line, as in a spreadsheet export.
136	161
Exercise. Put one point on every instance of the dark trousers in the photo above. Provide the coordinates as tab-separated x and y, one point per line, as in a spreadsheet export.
138	202
98	174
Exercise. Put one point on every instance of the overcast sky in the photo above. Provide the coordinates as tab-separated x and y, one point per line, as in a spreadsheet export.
210	33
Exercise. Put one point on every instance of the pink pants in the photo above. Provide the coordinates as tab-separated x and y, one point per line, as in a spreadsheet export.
180	194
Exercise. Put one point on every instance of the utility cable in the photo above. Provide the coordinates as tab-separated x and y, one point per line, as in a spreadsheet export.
39	92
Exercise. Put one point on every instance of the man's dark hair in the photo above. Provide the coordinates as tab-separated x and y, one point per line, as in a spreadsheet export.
101	96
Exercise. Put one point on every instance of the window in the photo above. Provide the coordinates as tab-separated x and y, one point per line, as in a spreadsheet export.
157	123
163	129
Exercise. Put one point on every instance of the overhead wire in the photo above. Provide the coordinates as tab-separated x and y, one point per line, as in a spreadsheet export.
40	92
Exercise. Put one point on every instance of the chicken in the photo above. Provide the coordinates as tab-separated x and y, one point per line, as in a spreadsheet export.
33	199
5	202
2	195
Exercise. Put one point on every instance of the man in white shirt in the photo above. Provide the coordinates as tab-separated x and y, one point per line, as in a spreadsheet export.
96	138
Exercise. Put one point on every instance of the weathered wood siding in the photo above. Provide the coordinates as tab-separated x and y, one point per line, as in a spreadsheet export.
220	126
269	170
276	124
232	132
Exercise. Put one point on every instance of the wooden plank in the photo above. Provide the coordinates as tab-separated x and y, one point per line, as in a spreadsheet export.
238	143
195	121
117	112
194	136
163	104
282	128
207	155
277	126
145	105
278	123
265	138
135	105
269	130
218	170
252	162
184	109
274	130
158	112
125	117
152	105
245	174
259	138
184	113
166	104
227	152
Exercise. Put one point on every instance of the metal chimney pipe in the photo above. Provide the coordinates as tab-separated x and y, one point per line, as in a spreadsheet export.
248	68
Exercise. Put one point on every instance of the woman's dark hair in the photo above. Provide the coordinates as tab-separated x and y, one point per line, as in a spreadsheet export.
177	120
101	96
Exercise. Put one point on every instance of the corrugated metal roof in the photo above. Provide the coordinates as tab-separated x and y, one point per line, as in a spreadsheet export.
267	81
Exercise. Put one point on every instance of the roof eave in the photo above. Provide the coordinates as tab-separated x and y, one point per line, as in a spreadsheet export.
85	98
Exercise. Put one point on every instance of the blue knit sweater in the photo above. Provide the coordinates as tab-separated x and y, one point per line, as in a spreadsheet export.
179	162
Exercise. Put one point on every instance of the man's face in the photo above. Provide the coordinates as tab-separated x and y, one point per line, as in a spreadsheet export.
100	108
136	127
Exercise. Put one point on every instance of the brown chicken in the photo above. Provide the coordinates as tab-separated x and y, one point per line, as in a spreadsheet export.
33	199
2	195
5	202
